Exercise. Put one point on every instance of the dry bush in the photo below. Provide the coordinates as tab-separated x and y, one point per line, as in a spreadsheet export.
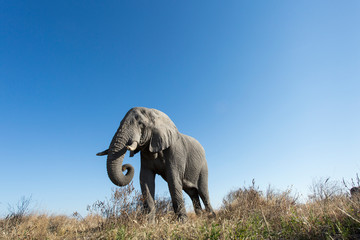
251	212
246	201
126	206
354	182
19	210
325	190
329	213
123	206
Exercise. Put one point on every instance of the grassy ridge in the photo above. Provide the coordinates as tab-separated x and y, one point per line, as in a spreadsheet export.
247	213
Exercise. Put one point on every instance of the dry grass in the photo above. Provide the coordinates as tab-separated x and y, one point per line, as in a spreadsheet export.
247	213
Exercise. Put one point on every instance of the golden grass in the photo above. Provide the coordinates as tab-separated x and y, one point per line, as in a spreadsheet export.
247	213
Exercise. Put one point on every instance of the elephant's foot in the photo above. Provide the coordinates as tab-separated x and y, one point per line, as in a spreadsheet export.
212	214
198	212
150	217
182	217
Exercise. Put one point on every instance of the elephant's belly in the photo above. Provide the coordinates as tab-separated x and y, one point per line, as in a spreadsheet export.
159	166
163	176
188	184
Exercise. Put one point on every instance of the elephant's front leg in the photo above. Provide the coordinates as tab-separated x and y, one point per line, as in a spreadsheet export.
175	188
147	183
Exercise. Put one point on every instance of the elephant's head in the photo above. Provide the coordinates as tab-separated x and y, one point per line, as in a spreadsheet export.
141	128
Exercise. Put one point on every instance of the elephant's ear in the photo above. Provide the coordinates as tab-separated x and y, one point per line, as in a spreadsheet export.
164	134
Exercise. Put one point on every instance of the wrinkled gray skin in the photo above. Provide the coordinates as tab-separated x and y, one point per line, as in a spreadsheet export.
177	158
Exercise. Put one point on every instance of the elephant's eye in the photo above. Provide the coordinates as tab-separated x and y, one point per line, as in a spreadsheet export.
141	124
144	135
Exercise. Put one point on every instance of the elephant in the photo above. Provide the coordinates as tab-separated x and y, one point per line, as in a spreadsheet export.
179	159
355	193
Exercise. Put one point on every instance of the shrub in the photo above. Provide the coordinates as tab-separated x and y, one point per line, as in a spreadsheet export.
20	210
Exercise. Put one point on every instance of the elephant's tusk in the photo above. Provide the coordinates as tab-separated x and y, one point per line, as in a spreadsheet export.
103	153
132	147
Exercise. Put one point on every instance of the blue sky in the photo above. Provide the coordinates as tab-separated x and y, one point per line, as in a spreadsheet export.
270	89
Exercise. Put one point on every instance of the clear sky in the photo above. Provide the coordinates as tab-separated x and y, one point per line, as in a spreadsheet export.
270	88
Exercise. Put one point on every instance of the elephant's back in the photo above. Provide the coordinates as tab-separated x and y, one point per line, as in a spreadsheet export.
193	145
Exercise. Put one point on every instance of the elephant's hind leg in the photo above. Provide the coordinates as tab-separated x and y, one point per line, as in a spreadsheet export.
204	192
194	195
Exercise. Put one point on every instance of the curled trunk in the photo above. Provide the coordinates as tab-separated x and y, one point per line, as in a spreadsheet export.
114	162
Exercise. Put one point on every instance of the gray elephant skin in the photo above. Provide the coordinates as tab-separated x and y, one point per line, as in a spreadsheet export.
179	159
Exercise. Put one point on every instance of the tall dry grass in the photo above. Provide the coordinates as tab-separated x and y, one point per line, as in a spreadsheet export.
246	213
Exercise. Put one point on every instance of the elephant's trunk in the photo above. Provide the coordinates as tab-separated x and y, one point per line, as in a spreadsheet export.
115	159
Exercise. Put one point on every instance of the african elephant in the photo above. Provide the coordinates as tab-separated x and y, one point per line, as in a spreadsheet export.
179	159
355	193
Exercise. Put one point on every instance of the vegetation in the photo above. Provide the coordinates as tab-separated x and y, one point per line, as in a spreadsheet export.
246	213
